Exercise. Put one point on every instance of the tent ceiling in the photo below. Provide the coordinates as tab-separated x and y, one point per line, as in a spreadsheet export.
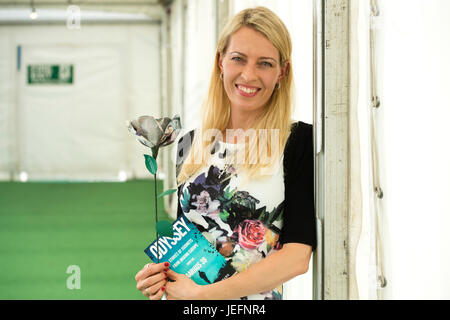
80	2
151	8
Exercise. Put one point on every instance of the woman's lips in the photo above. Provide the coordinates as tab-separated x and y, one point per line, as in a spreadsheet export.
247	91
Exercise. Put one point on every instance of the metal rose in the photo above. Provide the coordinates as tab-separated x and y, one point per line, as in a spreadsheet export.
155	133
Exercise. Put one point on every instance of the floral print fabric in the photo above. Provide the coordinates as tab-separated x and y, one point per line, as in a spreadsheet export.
243	221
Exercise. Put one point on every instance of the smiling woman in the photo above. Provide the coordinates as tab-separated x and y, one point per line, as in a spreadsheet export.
258	215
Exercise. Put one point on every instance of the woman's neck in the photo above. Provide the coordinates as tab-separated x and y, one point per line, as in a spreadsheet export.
237	125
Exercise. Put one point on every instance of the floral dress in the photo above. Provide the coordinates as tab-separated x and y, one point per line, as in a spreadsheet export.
241	219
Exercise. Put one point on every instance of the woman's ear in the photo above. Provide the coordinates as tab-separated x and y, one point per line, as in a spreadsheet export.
220	61
284	70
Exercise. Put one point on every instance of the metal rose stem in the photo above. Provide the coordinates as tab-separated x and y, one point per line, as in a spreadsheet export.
155	133
156	219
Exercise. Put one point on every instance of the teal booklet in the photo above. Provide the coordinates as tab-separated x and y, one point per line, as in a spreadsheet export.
190	253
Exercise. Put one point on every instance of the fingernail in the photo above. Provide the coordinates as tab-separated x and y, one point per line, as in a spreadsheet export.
166	264
162	288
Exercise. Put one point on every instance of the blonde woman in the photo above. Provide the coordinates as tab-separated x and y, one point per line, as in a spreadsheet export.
245	177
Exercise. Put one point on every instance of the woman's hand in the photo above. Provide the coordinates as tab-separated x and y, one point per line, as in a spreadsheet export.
182	288
151	280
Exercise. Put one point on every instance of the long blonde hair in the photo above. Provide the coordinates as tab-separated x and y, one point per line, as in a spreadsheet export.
216	108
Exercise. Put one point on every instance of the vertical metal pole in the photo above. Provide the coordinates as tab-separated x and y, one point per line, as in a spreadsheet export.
336	156
318	134
167	108
15	160
222	14
183	56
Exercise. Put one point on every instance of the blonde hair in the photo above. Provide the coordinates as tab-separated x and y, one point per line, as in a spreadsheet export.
216	108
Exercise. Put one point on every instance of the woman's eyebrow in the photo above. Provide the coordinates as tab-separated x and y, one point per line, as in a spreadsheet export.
244	55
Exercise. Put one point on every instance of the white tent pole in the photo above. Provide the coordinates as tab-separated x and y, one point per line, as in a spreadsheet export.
166	100
15	159
183	58
336	156
318	159
377	190
222	15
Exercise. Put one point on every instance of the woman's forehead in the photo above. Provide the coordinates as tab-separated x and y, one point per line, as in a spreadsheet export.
249	42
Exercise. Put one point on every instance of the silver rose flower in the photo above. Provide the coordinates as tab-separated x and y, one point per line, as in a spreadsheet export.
155	133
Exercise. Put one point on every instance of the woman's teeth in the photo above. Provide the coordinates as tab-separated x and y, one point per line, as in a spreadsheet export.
247	90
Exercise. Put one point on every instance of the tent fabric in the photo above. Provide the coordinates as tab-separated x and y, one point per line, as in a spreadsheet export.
411	129
77	131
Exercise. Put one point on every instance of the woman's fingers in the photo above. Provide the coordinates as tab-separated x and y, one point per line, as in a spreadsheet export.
141	272
172	275
156	291
151	281
150	269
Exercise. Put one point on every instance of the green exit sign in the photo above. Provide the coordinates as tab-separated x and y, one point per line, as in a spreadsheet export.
50	74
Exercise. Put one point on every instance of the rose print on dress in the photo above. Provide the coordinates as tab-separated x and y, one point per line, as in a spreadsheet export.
251	234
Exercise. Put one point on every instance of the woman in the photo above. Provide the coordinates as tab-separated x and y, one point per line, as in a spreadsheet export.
258	211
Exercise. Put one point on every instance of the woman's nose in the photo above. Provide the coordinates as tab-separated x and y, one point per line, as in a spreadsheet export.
249	72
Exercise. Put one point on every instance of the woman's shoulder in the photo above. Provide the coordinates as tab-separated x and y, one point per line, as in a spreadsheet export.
299	144
300	126
300	133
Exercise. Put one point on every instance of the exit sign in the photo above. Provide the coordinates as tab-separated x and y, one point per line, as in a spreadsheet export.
50	74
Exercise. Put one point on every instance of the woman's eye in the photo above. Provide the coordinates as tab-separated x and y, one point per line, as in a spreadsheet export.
266	64
238	59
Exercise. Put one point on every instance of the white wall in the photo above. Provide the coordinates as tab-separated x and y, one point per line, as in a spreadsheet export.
77	131
193	50
412	128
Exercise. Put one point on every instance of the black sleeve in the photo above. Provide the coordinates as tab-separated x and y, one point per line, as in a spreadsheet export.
299	220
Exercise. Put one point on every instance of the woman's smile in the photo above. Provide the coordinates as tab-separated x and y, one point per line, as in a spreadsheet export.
247	91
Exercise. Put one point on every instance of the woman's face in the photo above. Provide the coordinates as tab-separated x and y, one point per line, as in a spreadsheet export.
251	69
